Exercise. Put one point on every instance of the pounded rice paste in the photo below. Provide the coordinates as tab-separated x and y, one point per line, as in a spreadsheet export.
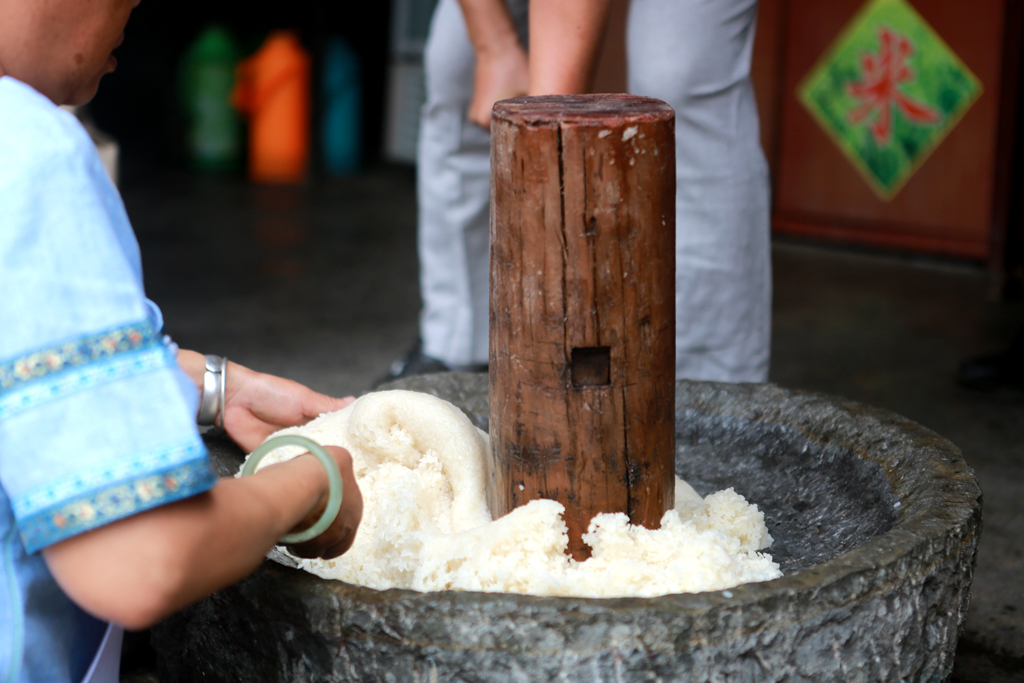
426	526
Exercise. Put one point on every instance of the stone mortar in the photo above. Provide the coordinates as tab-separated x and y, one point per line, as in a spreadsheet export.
876	523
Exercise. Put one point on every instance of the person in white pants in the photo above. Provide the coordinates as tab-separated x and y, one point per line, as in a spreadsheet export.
694	55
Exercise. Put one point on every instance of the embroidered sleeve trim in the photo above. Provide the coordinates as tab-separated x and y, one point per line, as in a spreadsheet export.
76	353
33	394
116	501
140	464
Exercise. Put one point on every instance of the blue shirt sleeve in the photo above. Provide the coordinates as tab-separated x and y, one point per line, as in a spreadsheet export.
96	417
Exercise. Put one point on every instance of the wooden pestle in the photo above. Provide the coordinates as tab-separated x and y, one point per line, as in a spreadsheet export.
582	328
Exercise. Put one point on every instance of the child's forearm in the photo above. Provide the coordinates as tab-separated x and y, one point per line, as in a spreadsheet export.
565	37
489	25
141	569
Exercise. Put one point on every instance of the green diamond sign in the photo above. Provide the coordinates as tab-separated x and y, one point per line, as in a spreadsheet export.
887	92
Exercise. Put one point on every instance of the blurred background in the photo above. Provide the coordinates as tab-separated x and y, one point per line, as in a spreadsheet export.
898	286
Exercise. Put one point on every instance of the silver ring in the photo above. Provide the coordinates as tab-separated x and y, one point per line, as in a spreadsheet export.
223	388
212	397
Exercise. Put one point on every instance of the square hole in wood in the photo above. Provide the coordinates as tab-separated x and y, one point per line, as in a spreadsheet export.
591	366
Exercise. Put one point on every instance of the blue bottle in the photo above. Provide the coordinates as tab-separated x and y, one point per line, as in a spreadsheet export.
342	95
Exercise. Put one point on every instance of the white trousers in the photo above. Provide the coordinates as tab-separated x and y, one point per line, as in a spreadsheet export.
694	55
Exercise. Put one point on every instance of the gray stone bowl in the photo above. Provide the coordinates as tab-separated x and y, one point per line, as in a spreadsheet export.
876	523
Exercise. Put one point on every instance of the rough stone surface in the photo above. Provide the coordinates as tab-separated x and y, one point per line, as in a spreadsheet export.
876	523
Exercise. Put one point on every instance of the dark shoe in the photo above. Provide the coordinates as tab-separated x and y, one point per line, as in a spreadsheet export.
1004	370
414	362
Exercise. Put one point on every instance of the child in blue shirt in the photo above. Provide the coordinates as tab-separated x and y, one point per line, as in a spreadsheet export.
109	509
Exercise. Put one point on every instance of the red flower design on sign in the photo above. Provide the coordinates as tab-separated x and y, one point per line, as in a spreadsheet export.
878	91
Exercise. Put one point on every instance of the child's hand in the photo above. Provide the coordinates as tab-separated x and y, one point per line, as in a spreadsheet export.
500	74
338	537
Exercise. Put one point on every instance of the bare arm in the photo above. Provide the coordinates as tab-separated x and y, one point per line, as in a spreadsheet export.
501	63
141	569
565	38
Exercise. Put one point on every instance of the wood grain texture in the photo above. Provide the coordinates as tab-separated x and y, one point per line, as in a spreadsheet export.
583	266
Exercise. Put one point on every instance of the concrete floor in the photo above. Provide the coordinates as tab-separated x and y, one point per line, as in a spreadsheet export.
319	284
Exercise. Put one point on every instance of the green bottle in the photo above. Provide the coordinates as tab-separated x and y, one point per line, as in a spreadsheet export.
206	76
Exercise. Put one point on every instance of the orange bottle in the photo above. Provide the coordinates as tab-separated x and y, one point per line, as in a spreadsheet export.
273	89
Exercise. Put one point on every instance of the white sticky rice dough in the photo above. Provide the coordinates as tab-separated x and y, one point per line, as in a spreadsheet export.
426	525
